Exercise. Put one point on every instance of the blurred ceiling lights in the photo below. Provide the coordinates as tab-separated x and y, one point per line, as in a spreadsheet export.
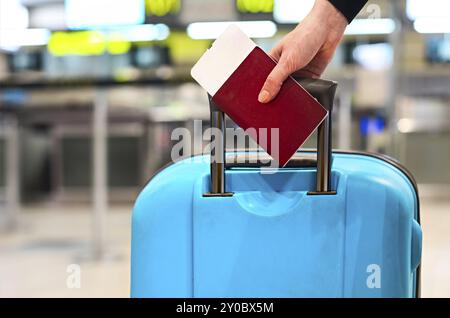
211	30
145	32
265	29
92	14
12	40
430	16
13	15
370	26
13	27
291	11
432	25
427	8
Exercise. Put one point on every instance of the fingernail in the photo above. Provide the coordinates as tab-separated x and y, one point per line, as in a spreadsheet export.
263	96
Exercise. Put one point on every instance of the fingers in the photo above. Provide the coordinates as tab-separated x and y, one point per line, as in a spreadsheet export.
275	53
293	53
314	69
275	79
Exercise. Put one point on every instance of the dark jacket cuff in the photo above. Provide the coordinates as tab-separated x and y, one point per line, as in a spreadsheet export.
349	8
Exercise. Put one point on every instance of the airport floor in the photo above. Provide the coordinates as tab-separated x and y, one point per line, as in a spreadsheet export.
35	259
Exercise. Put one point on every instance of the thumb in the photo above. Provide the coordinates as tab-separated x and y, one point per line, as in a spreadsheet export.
274	81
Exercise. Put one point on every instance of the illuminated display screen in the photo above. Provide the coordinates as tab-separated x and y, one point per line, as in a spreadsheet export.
161	8
163	11
254	9
91	14
255	6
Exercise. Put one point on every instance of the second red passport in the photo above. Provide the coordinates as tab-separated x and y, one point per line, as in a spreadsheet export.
281	126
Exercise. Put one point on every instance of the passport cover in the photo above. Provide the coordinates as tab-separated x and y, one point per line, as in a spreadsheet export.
233	72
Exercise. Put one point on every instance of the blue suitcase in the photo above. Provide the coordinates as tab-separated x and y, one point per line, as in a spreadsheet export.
341	224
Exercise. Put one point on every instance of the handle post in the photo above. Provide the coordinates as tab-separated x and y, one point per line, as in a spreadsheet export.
323	181
324	91
217	161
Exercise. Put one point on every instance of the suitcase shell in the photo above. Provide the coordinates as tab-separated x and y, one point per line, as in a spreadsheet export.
272	239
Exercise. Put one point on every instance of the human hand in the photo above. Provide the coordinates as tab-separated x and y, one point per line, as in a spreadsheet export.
307	50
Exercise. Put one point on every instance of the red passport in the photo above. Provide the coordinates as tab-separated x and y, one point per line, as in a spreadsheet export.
233	72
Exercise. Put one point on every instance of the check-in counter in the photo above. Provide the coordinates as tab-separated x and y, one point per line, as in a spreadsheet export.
424	141
9	174
140	120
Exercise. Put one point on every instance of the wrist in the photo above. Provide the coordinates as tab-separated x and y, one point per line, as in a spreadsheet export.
329	23
331	17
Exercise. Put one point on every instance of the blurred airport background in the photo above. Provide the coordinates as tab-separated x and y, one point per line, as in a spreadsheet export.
90	91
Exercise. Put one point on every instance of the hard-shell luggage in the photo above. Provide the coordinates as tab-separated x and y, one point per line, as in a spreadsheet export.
335	224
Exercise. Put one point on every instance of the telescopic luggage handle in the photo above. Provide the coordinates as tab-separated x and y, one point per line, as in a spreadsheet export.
323	91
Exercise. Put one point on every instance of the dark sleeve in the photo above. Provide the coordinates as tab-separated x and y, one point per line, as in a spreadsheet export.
349	8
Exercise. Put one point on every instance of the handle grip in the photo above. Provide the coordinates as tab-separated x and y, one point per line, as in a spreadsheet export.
324	91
